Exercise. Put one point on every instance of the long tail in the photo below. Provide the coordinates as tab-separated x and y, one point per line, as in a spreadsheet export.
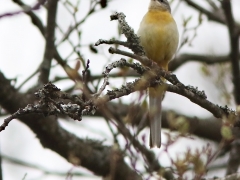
155	116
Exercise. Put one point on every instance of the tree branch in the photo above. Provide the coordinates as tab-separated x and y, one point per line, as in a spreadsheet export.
38	23
234	42
234	159
208	128
214	16
90	154
208	59
191	93
50	39
35	20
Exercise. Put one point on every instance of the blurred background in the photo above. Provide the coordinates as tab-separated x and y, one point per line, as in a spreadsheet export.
203	61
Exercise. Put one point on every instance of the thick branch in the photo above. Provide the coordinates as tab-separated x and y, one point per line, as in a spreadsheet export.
234	159
38	23
87	153
208	128
234	42
50	38
208	59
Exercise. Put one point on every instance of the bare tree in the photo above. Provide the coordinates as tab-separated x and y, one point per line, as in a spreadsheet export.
42	105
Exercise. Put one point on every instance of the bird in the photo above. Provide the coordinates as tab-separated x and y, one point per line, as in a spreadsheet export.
159	38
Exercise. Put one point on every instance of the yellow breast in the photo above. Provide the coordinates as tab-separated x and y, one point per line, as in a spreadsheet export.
159	36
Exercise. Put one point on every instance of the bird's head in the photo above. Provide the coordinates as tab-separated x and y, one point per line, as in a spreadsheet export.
162	5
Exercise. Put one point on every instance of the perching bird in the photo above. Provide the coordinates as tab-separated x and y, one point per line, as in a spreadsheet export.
159	37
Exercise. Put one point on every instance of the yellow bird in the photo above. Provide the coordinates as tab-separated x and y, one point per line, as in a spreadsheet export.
159	37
